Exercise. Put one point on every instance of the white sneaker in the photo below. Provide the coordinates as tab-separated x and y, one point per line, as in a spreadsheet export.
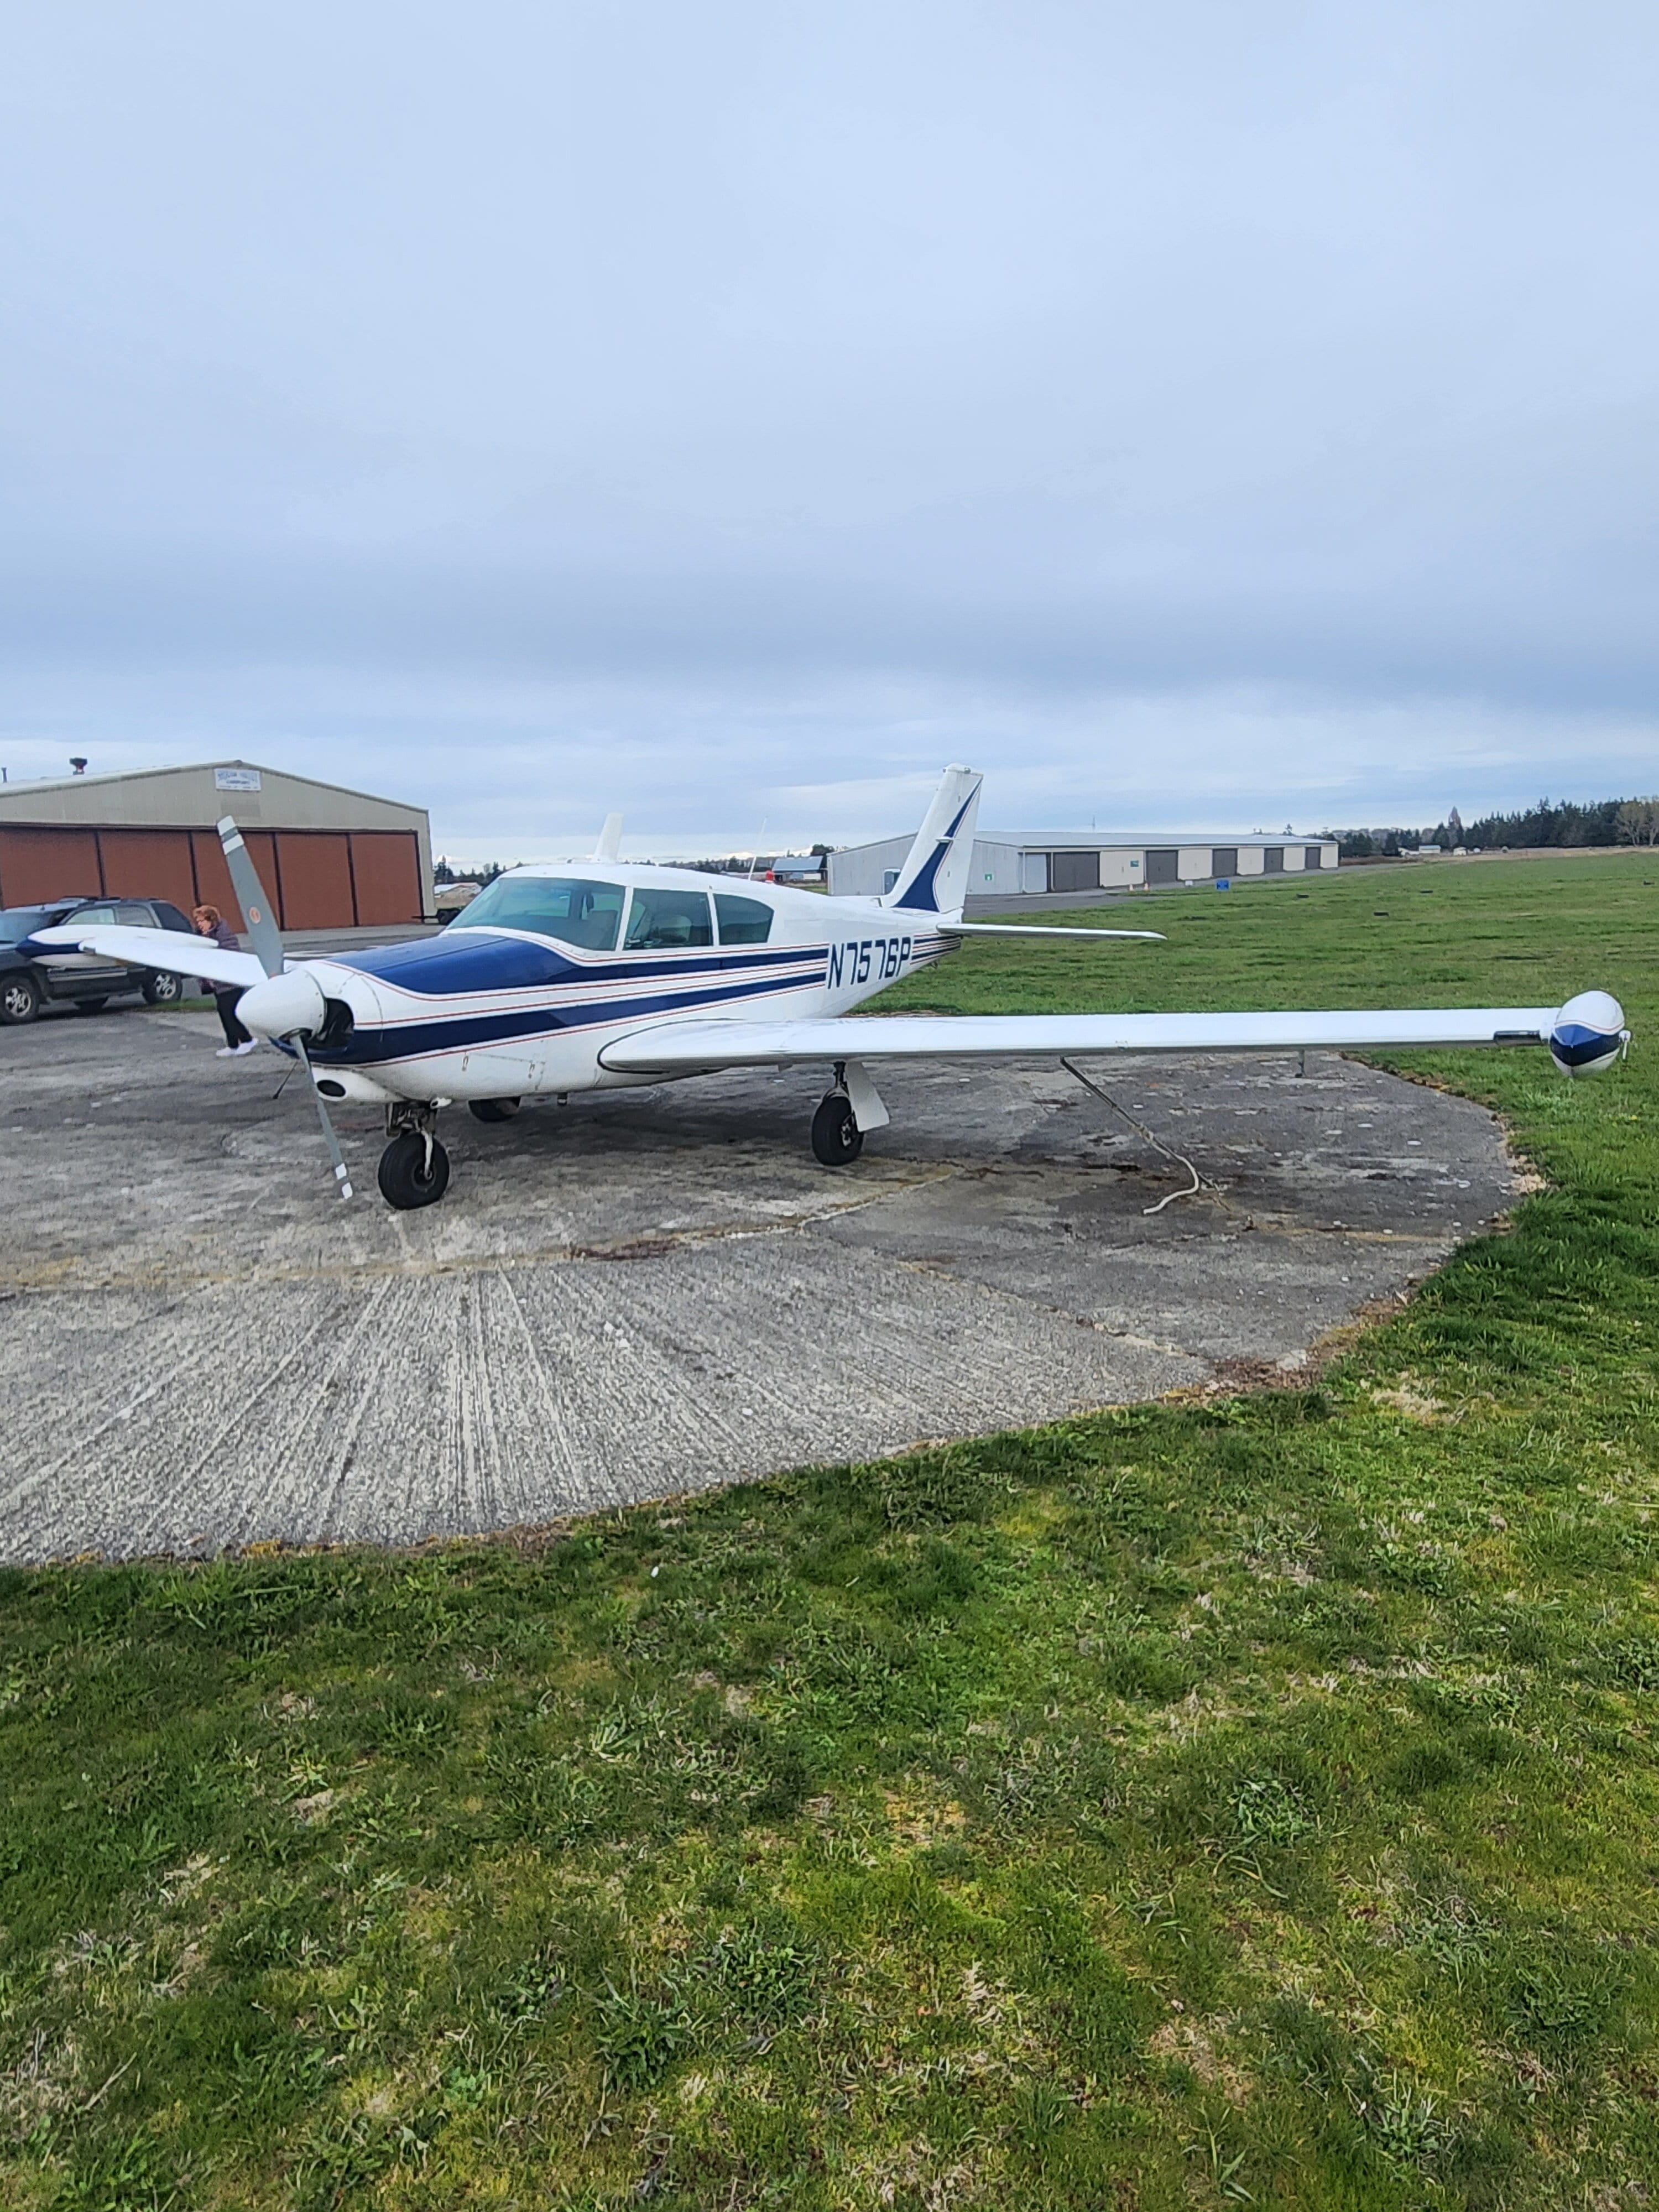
228	1052
240	1051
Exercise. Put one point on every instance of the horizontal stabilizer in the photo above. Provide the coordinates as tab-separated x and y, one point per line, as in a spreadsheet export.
170	950
1038	929
674	1046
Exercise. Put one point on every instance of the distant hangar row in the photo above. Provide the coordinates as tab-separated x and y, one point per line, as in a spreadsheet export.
1033	862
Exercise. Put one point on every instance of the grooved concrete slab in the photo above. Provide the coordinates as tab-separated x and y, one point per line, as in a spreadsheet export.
650	1292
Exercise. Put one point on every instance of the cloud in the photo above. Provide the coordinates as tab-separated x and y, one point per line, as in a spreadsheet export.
1188	415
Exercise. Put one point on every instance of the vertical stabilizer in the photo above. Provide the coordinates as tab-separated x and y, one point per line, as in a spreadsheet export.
610	845
934	877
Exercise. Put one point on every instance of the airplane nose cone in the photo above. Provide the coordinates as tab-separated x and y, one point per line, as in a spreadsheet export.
283	1005
1590	1034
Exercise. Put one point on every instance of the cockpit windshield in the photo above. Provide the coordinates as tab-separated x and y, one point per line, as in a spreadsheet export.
570	908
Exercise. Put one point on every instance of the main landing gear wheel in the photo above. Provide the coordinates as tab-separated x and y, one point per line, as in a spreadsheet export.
492	1109
412	1175
837	1138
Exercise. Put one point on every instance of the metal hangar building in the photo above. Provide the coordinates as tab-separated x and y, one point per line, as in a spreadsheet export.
329	858
1037	864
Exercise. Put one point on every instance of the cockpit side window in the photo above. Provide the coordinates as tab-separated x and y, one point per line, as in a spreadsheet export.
743	921
570	908
667	921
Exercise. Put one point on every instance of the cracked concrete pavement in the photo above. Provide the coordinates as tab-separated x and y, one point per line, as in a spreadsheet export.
646	1291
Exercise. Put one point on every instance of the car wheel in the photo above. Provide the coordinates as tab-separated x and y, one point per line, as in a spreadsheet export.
92	1005
162	990
20	999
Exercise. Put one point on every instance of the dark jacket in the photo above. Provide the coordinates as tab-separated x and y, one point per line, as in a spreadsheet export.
226	938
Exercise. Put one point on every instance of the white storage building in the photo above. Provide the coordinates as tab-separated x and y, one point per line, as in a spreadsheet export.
1042	863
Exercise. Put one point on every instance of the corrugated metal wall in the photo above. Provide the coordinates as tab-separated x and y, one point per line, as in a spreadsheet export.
316	878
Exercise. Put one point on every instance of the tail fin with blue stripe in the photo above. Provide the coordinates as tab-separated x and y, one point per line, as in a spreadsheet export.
934	877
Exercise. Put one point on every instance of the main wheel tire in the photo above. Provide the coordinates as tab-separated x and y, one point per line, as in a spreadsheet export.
161	989
91	1006
837	1141
20	1000
492	1109
407	1178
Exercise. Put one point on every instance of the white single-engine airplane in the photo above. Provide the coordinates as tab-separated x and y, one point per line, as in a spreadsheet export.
560	979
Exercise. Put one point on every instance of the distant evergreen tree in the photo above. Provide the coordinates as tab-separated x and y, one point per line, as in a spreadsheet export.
1601	822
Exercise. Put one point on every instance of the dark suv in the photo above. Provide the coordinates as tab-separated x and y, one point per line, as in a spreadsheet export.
34	976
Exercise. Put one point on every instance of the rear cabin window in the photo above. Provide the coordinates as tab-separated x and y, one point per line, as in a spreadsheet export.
570	908
742	921
667	921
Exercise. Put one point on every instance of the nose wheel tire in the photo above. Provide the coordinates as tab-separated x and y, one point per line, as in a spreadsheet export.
492	1109
407	1177
838	1139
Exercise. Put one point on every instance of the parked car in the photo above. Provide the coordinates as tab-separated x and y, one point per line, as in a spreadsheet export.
33	977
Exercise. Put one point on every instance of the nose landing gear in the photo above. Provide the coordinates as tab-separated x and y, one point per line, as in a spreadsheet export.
414	1167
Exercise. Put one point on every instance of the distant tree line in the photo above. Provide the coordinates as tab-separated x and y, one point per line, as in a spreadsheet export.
1604	822
735	864
448	872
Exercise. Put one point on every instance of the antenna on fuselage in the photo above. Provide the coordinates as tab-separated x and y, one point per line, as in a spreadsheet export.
610	845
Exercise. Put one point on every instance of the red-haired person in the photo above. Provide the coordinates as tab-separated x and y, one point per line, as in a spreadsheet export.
208	921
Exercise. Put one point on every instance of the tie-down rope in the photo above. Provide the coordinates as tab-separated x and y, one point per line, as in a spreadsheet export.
1197	1184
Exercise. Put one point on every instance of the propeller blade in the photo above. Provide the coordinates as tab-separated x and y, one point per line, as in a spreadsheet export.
251	897
341	1176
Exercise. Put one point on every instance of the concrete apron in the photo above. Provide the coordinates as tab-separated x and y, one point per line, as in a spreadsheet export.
646	1292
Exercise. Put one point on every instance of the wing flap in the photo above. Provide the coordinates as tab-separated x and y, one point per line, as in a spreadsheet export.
671	1046
169	950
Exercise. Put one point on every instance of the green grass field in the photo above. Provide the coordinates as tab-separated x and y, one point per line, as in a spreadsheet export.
1248	1801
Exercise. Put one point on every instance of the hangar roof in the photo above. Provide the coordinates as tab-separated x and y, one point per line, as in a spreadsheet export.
1081	839
196	795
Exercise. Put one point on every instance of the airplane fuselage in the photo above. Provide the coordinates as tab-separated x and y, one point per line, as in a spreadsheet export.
498	1010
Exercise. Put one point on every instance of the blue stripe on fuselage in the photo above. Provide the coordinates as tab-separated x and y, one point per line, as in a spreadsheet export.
471	1032
492	962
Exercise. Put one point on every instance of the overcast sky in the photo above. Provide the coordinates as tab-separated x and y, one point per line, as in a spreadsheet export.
1193	415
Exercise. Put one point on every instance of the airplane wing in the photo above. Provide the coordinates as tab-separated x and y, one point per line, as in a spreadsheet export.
170	950
672	1047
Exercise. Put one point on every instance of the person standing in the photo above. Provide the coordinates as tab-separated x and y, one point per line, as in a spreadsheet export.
208	921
